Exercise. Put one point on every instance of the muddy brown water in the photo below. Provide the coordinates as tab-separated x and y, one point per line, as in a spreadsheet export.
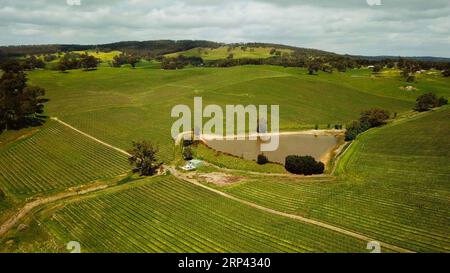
319	146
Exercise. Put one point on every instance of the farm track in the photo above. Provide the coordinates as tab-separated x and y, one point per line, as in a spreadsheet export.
292	216
11	222
91	137
8	224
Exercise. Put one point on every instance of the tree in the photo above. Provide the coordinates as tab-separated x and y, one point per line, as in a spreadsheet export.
374	117
427	101
133	60
408	71
61	67
32	62
442	101
327	68
446	73
340	66
69	61
368	119
89	62
50	57
262	159
172	63
306	165
20	104
377	68
354	129
144	158
313	66
187	153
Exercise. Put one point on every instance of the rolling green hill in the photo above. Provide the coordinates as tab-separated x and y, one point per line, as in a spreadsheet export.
391	183
168	215
224	51
53	159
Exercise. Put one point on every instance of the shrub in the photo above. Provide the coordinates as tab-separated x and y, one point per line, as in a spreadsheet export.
446	73
368	119
410	78
374	117
377	68
355	128
442	101
306	165
262	159
187	153
187	142
427	101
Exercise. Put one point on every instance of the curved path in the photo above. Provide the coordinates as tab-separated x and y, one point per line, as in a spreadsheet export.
11	222
31	205
292	216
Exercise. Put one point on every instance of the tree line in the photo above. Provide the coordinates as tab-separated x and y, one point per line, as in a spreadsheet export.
313	64
21	104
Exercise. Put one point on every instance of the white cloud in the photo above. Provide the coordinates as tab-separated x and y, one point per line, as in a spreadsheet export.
396	28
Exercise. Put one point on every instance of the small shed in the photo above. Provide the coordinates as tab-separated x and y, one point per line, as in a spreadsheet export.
196	163
192	165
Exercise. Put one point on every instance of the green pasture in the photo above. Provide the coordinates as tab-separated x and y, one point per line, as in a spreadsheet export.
168	215
224	51
392	185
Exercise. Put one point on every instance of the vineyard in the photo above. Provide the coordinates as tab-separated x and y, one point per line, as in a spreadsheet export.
391	184
232	162
401	199
169	215
56	158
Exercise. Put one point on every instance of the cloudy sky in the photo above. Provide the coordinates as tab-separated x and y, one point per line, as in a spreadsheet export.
396	27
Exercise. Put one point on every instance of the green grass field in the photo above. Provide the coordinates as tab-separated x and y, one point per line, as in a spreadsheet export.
103	56
53	159
392	183
224	51
231	162
120	105
168	215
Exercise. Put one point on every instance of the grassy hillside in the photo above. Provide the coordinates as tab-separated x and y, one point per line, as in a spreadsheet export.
168	215
393	185
103	56
55	158
224	51
119	105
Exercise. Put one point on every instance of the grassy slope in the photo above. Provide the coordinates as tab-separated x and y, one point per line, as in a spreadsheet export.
167	215
55	158
120	105
103	56
223	52
393	185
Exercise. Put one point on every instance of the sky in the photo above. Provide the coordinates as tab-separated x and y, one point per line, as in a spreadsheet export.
360	27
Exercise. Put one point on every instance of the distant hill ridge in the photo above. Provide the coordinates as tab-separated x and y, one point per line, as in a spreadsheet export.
162	47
